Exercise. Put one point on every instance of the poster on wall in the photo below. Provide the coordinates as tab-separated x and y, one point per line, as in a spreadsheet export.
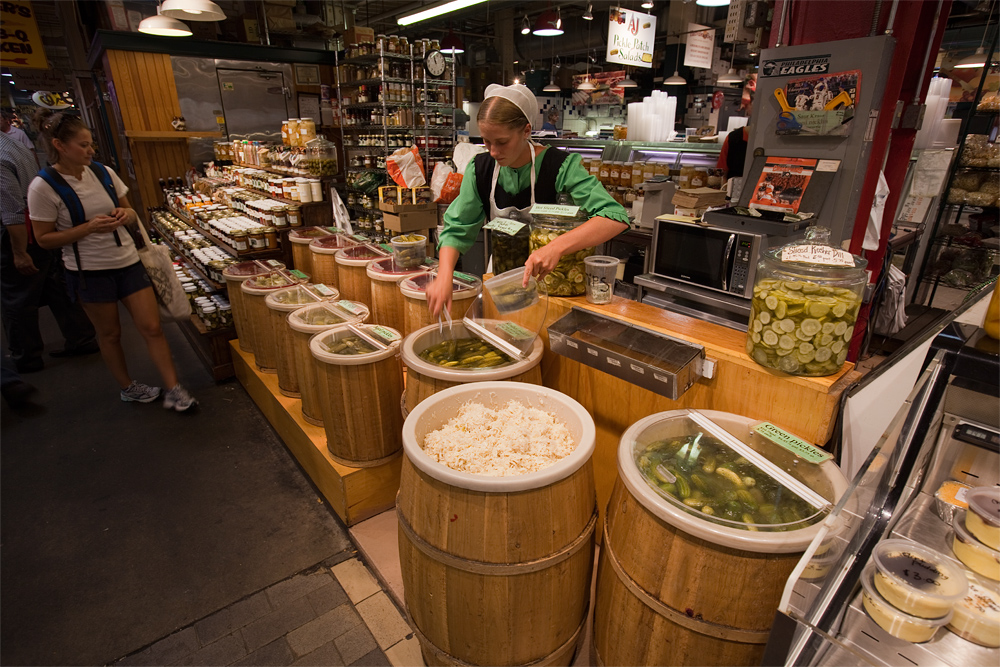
782	183
630	37
606	89
816	93
22	44
700	46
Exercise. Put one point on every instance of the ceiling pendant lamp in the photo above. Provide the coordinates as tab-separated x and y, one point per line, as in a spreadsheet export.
628	81
676	79
977	59
548	24
589	14
711	3
525	26
192	10
451	44
731	76
586	85
551	88
647	4
163	26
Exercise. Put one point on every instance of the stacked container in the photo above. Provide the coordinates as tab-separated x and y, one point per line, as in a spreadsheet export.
280	304
352	271
388	305
258	317
234	275
414	290
301	238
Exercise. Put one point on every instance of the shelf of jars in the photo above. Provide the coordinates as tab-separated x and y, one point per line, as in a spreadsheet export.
230	231
176	234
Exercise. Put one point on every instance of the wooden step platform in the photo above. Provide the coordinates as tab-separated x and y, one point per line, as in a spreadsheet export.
354	493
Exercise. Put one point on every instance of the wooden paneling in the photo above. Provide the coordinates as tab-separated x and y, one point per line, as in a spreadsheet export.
147	94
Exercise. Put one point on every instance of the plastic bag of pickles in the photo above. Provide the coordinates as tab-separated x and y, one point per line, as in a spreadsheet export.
805	303
569	278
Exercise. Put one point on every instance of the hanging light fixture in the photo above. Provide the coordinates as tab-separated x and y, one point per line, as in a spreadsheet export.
551	88
192	10
977	59
548	24
676	79
628	81
647	4
451	44
589	14
711	3
731	76
163	26
525	26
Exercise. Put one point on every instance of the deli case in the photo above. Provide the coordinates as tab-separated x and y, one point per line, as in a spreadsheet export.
945	438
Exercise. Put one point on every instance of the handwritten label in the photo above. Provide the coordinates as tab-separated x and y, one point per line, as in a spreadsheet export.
274	263
359	237
350	307
555	209
796	446
385	246
299	274
385	333
509	227
828	165
515	331
322	289
817	254
464	277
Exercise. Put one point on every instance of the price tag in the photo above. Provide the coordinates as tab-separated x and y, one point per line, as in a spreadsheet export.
385	246
817	254
350	306
554	209
464	276
504	225
385	333
359	237
796	446
273	263
322	289
515	331
299	274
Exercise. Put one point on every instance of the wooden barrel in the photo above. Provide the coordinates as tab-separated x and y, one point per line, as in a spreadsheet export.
414	291
352	272
279	305
497	570
387	301
322	252
424	379
301	237
258	320
685	591
235	274
304	324
358	394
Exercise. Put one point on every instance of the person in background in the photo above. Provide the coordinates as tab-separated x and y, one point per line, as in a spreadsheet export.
551	118
30	276
102	265
508	180
14	390
7	118
734	149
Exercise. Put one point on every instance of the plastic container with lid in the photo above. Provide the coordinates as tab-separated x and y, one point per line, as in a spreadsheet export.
805	303
322	251
977	556
387	303
916	580
360	375
568	278
255	292
280	304
897	623
983	517
409	250
352	271
977	616
414	290
601	272
305	323
234	275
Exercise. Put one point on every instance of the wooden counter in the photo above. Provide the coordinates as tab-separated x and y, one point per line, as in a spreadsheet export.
806	407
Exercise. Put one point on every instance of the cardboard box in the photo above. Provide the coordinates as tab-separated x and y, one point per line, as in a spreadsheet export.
423	195
388	194
359	35
390	207
411	221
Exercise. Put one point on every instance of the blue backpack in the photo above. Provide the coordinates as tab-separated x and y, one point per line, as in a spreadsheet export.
73	204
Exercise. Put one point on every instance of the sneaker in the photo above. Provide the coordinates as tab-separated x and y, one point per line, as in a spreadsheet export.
140	392
178	399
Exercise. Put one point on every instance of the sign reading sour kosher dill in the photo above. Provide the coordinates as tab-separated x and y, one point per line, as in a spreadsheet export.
791	66
630	37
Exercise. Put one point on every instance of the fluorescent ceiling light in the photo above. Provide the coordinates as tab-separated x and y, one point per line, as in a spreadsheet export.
445	8
977	59
192	10
7	74
164	26
675	80
712	3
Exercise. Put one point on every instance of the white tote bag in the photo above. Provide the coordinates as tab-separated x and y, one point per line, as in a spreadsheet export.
174	304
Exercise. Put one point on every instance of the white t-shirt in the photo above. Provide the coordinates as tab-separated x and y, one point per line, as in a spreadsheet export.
17	134
97	251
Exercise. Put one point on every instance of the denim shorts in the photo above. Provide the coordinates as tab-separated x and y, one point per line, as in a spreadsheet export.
107	285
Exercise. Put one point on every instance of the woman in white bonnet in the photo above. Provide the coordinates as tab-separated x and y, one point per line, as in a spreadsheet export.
512	176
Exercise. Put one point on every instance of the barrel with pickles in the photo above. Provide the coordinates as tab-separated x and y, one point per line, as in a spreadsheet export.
350	345
465	353
569	277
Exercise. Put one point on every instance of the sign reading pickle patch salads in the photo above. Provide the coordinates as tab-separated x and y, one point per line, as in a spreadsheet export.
630	37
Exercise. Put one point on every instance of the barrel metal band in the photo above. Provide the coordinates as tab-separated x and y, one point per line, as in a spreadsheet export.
497	569
448	659
702	627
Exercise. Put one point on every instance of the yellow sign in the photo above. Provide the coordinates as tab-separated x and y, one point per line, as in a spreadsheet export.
20	43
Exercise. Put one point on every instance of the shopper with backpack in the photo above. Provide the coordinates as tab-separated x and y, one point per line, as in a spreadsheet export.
81	206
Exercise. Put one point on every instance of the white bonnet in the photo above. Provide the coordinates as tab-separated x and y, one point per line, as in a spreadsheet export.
519	94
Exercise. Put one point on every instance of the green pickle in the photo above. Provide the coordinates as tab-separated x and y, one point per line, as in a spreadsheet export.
801	328
321	316
509	251
350	345
569	277
465	353
715	483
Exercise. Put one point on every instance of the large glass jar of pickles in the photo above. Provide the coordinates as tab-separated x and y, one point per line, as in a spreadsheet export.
805	302
321	157
569	276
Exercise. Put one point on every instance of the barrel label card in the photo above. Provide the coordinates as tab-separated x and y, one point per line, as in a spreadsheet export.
385	333
509	227
554	209
349	306
515	331
796	446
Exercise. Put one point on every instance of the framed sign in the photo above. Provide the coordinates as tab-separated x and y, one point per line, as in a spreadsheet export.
630	37
700	46
307	75
309	106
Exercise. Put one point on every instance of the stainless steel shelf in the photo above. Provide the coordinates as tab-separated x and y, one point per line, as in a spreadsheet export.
680	147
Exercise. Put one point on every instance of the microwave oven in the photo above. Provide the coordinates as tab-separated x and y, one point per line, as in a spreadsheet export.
706	256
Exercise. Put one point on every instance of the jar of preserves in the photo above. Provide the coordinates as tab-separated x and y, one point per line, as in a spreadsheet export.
699	178
256	238
270	238
805	303
241	243
293	131
636	179
280	216
393	44
307	131
382	43
294	216
434	45
568	278
604	175
614	174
